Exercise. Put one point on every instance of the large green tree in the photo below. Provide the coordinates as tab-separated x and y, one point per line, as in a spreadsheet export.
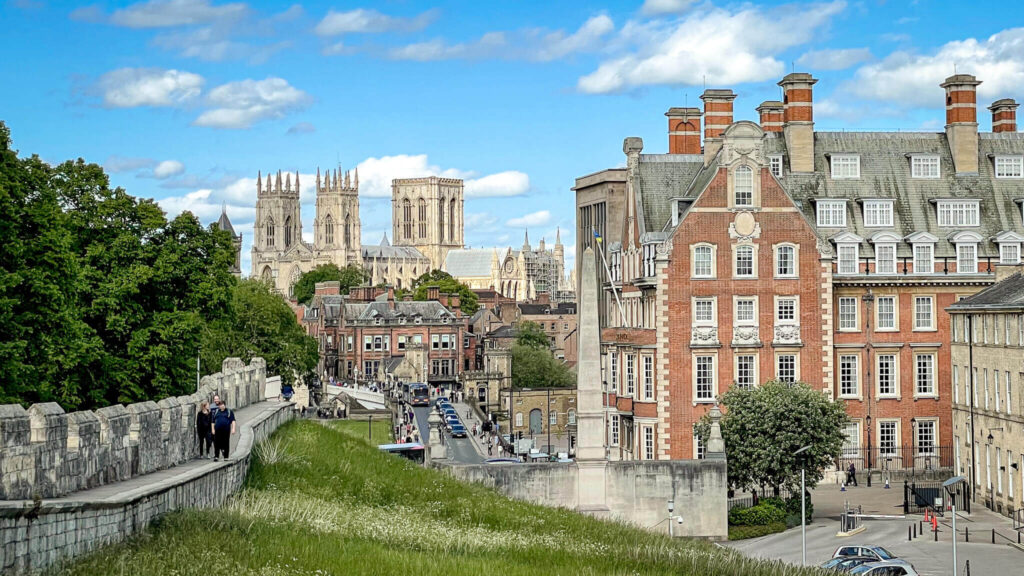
350	276
445	283
764	426
531	334
261	324
534	367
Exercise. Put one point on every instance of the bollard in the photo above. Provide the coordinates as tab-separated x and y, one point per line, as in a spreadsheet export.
993	535
909	537
968	568
936	531
915	530
967	535
920	527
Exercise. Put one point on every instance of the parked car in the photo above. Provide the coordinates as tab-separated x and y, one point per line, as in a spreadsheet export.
452	421
895	567
458	431
843	564
876	552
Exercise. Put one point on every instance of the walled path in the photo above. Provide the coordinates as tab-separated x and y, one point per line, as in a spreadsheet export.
167	477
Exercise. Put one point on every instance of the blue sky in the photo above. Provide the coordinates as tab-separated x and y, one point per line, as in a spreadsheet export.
185	100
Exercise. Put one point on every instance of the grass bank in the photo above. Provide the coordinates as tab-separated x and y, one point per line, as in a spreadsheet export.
324	501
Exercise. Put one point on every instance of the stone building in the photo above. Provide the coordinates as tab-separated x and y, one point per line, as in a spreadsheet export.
598	195
279	254
224	223
538	411
558	322
398	266
775	251
426	214
988	388
520	275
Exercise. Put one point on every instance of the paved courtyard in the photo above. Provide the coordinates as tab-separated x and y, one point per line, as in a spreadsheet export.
929	557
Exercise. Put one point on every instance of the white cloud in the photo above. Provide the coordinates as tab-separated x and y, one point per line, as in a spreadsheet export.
528	44
834	59
538	218
242	104
710	44
168	168
132	87
657	7
501	184
215	44
480	221
170	13
117	164
363	21
375	174
909	79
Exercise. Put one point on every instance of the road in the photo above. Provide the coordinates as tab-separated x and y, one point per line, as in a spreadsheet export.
460	450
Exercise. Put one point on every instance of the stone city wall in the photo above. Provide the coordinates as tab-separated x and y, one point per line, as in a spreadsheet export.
35	535
636	492
46	453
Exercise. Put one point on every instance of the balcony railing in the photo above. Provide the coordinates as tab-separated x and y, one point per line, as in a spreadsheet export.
905	267
900	458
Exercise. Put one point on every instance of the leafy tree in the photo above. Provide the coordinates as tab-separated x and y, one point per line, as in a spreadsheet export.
763	427
446	284
261	324
532	335
350	276
534	367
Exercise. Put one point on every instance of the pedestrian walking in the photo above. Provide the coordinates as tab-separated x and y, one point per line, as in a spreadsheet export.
223	427
204	431
851	474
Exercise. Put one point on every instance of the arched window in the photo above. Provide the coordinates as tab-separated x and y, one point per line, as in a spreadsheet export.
347	238
519	419
422	217
287	231
451	220
407	218
702	264
270	233
785	261
267	275
745	261
329	230
572	417
440	219
743	183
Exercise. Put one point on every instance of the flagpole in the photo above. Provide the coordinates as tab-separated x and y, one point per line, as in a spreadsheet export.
611	280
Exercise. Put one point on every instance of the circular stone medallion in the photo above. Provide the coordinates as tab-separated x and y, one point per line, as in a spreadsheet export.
744	223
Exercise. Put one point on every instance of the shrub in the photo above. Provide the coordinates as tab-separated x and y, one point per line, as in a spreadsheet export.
791	506
761	515
744	532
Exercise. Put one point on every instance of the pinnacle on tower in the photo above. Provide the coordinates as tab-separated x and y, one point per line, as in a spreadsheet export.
296	181
347	179
526	239
558	236
288	182
317	178
259	182
278	180
357	178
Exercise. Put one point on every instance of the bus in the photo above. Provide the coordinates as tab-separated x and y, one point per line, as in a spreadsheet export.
419	395
414	452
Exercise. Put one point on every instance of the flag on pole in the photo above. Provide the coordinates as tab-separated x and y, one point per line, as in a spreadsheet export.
597	237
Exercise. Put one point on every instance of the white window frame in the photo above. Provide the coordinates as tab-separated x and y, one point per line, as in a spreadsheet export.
709	362
790	356
698	305
613	370
791	257
893	325
753	261
845	266
852	371
925	365
921	246
918	326
958	213
966	253
794	302
831	213
888	362
648	439
752	301
926	424
647	365
613	436
630	362
845	166
844	317
775	164
751	370
885	259
878	213
927	166
888	447
697	271
748	186
1009	166
1009	253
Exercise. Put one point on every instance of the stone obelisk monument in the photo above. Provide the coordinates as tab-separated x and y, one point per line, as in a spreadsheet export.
591	459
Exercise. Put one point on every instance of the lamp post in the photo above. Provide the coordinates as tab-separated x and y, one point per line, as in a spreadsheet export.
947	485
869	299
803	509
671	508
913	443
867	420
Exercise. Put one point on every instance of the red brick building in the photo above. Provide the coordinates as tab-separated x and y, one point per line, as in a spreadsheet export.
773	251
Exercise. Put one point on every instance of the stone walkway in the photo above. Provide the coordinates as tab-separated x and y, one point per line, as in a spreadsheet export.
128	489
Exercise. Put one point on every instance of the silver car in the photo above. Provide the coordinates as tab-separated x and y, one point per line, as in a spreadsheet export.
886	568
872	551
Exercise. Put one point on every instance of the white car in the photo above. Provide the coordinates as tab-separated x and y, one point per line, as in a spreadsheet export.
886	568
872	551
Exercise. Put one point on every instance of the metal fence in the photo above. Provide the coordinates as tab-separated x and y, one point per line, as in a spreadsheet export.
907	459
919	496
748	499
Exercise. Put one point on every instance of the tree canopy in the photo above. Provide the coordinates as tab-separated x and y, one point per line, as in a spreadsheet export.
445	283
350	276
531	334
763	427
102	299
534	367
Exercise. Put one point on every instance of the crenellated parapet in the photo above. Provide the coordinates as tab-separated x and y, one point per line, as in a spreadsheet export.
47	453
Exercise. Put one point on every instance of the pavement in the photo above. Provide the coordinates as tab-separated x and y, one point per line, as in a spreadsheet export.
467	450
929	557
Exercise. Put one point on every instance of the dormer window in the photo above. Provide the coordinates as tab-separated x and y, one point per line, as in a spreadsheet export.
1009	247
878	213
966	243
924	166
957	213
743	184
1009	166
845	166
831	213
775	164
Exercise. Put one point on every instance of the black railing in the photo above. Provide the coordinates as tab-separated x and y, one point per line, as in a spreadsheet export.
905	266
912	459
748	499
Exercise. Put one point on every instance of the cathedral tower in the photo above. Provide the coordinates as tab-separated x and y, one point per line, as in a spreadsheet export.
427	215
336	227
277	246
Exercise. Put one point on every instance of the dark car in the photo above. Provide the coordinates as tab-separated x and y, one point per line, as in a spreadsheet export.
458	431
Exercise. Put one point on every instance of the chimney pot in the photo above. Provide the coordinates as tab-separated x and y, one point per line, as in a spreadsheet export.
717	111
683	130
798	120
1004	115
962	121
771	112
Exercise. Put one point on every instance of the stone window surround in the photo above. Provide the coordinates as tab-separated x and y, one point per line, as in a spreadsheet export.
714	376
934	353
796	310
735	307
795	353
914	327
895	313
856	313
898	434
795	261
693	261
755	170
756	376
896	384
917	427
714	310
754	257
858	360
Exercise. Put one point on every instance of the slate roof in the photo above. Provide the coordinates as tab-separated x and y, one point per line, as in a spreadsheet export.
536	309
224	223
502	332
885	174
1005	294
385	250
663	177
467	263
428	310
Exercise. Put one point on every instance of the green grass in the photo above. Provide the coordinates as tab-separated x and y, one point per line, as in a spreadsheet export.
324	501
382	431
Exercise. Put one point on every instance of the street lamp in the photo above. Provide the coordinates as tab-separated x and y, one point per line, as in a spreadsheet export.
803	508
671	508
948	484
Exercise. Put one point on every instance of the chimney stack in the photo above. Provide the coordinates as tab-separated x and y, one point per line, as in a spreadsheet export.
798	120
683	130
1004	115
717	117
962	121
433	293
771	112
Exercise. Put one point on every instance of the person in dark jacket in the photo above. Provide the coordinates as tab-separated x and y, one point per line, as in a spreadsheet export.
204	430
851	475
223	427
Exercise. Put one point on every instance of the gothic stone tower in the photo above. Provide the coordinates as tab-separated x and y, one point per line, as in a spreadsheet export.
278	253
427	215
224	223
336	226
